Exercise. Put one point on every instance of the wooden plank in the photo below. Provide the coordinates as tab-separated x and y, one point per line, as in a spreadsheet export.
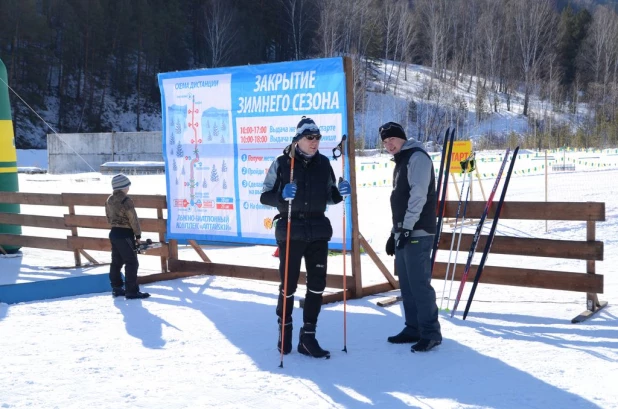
88	256
589	313
199	250
48	222
571	249
91	199
183	268
100	222
34	242
46	199
348	67
535	210
101	244
372	254
389	301
520	277
162	239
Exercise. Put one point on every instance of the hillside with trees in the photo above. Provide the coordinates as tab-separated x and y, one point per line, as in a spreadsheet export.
92	65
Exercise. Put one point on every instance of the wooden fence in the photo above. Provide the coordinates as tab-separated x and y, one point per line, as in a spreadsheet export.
589	249
71	221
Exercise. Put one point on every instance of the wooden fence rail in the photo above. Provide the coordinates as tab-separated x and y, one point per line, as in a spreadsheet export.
71	222
589	248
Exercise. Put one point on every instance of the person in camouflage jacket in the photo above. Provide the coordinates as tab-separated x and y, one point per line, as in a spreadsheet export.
124	236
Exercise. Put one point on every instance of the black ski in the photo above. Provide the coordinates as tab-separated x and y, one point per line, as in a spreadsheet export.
441	191
477	233
492	233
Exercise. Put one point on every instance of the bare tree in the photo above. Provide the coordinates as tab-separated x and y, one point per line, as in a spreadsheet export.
492	28
329	33
390	18
534	23
602	55
220	32
435	26
295	14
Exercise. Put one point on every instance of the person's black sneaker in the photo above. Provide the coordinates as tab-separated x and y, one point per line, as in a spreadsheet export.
118	292
403	338
425	345
287	337
308	345
137	295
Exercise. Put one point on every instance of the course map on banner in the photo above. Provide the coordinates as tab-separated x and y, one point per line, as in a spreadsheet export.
222	129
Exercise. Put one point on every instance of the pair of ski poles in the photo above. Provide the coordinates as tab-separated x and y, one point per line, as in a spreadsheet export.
341	149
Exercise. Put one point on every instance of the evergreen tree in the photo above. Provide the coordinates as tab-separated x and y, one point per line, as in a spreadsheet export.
204	185
174	165
214	175
224	166
573	28
179	152
224	184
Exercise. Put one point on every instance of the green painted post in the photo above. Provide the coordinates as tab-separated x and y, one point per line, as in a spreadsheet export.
8	158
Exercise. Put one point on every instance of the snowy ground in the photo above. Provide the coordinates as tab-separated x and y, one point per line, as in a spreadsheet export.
210	342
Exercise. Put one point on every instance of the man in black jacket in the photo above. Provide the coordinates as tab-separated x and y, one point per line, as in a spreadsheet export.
312	189
413	204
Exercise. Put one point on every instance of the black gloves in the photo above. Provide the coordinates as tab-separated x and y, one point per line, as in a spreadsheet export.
404	238
390	245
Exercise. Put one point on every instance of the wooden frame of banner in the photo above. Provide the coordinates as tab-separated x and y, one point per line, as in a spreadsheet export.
181	268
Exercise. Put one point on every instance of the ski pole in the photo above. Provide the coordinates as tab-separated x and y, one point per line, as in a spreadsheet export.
463	221
442	199
341	148
464	168
287	254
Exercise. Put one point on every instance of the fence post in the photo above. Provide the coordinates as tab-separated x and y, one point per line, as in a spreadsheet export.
593	304
78	259
162	239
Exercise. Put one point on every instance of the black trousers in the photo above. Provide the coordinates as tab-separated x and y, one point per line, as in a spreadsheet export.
124	253
316	256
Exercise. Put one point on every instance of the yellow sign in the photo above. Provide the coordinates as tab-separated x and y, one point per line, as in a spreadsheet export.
461	151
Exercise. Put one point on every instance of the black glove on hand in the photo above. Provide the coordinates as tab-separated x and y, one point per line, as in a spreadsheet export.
404	238
390	245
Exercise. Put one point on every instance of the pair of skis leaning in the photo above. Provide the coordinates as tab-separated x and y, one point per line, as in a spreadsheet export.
490	236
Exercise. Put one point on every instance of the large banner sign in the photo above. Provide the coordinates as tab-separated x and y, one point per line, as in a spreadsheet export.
222	129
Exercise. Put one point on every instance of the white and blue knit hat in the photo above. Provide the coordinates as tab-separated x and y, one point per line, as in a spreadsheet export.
120	182
306	126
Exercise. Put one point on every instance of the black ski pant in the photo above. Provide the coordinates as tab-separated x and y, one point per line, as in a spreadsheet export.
315	254
124	252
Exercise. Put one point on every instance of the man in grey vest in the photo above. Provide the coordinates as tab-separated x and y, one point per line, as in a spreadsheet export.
413	205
